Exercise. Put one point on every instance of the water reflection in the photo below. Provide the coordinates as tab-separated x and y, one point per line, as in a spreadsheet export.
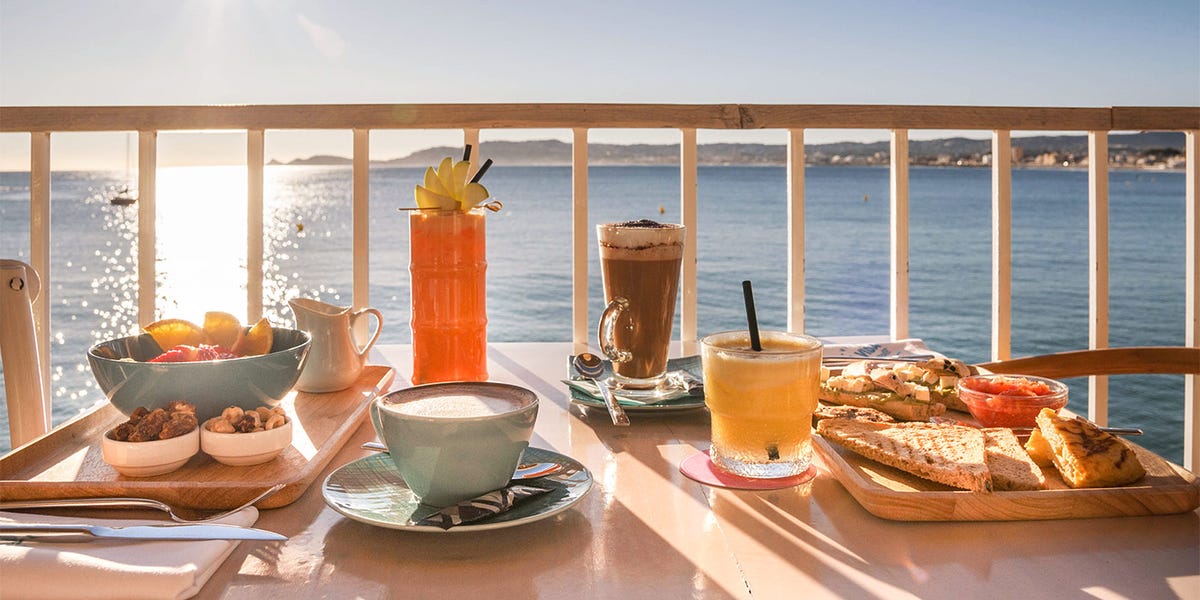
200	261
201	227
201	249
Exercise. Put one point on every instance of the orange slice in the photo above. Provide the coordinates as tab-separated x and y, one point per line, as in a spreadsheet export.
169	333
222	329
256	341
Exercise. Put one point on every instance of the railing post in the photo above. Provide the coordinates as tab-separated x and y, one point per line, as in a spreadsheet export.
579	239
39	251
1191	383
1098	268
361	226
147	232
899	223
255	139
687	213
1001	245
795	220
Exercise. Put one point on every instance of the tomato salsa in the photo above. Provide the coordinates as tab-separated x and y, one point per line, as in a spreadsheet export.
1010	400
1008	386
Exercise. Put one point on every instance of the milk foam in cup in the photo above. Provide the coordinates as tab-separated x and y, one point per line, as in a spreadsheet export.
461	406
455	441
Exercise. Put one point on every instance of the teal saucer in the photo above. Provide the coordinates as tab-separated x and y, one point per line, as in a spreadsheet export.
370	490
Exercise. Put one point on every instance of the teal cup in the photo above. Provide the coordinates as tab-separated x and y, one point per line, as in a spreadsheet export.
458	440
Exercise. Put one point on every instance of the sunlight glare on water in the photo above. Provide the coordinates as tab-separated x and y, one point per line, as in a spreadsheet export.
201	226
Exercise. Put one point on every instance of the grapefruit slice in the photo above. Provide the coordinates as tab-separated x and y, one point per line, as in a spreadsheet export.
256	341
169	333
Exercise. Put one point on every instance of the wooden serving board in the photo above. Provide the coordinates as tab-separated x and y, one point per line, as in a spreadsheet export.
893	494
66	462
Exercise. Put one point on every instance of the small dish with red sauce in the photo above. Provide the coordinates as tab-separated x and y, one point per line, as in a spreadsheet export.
1002	400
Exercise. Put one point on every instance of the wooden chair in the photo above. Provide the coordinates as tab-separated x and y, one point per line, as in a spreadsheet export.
28	411
1180	360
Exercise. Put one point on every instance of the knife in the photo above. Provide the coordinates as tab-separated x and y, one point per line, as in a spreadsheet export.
71	532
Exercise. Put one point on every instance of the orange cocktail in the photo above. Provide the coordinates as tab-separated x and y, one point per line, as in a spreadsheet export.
448	264
761	401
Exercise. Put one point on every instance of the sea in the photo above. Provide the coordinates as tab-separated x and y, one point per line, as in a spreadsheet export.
741	234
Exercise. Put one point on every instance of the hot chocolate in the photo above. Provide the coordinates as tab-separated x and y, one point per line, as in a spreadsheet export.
640	262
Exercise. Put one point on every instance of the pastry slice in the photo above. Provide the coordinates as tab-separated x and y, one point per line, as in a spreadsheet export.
1086	456
1009	463
948	454
1039	449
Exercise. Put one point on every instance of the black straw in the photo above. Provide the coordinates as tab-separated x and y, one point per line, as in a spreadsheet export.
751	316
483	169
467	153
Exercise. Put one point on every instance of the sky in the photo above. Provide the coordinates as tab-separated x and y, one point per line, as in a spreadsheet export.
150	52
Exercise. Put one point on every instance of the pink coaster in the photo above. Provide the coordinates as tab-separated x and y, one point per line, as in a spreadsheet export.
700	467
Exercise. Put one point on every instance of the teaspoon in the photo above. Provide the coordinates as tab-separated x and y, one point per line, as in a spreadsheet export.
589	366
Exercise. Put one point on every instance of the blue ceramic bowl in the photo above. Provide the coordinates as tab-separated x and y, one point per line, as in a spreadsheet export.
246	382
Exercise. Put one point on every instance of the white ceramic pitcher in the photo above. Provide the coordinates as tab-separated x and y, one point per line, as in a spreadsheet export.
335	358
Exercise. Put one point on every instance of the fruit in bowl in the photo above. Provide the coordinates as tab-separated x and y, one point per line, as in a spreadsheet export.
221	337
1010	400
123	369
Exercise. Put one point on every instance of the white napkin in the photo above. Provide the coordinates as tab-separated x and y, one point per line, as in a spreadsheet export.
896	349
111	569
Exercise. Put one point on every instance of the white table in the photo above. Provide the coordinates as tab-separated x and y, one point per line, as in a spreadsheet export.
646	531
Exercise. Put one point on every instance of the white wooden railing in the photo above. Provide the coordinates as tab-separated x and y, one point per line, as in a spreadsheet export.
41	122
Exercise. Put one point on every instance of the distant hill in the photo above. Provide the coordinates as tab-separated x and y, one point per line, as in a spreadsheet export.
320	159
554	152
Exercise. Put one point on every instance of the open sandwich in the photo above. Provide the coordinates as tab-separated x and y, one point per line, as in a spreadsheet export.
907	391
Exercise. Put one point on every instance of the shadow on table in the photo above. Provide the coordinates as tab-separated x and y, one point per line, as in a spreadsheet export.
963	559
504	562
568	555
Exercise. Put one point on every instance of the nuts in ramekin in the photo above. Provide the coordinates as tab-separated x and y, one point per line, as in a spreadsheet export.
173	420
236	420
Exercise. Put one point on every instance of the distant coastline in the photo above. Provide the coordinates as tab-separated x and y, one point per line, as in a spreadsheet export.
1154	150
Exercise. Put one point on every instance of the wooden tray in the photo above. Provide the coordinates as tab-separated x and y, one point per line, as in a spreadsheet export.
66	462
893	494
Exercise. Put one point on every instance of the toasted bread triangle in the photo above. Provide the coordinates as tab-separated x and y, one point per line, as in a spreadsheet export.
948	454
1010	465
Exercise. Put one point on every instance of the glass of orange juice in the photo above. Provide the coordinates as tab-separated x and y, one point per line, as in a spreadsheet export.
448	263
761	401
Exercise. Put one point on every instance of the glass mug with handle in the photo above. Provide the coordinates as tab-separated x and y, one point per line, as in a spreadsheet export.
640	262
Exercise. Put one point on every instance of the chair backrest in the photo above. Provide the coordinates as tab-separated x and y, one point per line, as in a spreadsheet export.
28	410
1107	361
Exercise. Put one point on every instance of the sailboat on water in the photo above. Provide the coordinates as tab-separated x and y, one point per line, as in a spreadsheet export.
125	197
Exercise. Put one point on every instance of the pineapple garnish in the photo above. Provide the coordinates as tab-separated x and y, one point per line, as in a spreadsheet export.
448	188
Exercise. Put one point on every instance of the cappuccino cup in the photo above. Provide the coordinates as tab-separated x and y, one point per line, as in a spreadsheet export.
458	440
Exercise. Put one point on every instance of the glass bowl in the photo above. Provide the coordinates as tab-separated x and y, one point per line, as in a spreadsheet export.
1007	400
